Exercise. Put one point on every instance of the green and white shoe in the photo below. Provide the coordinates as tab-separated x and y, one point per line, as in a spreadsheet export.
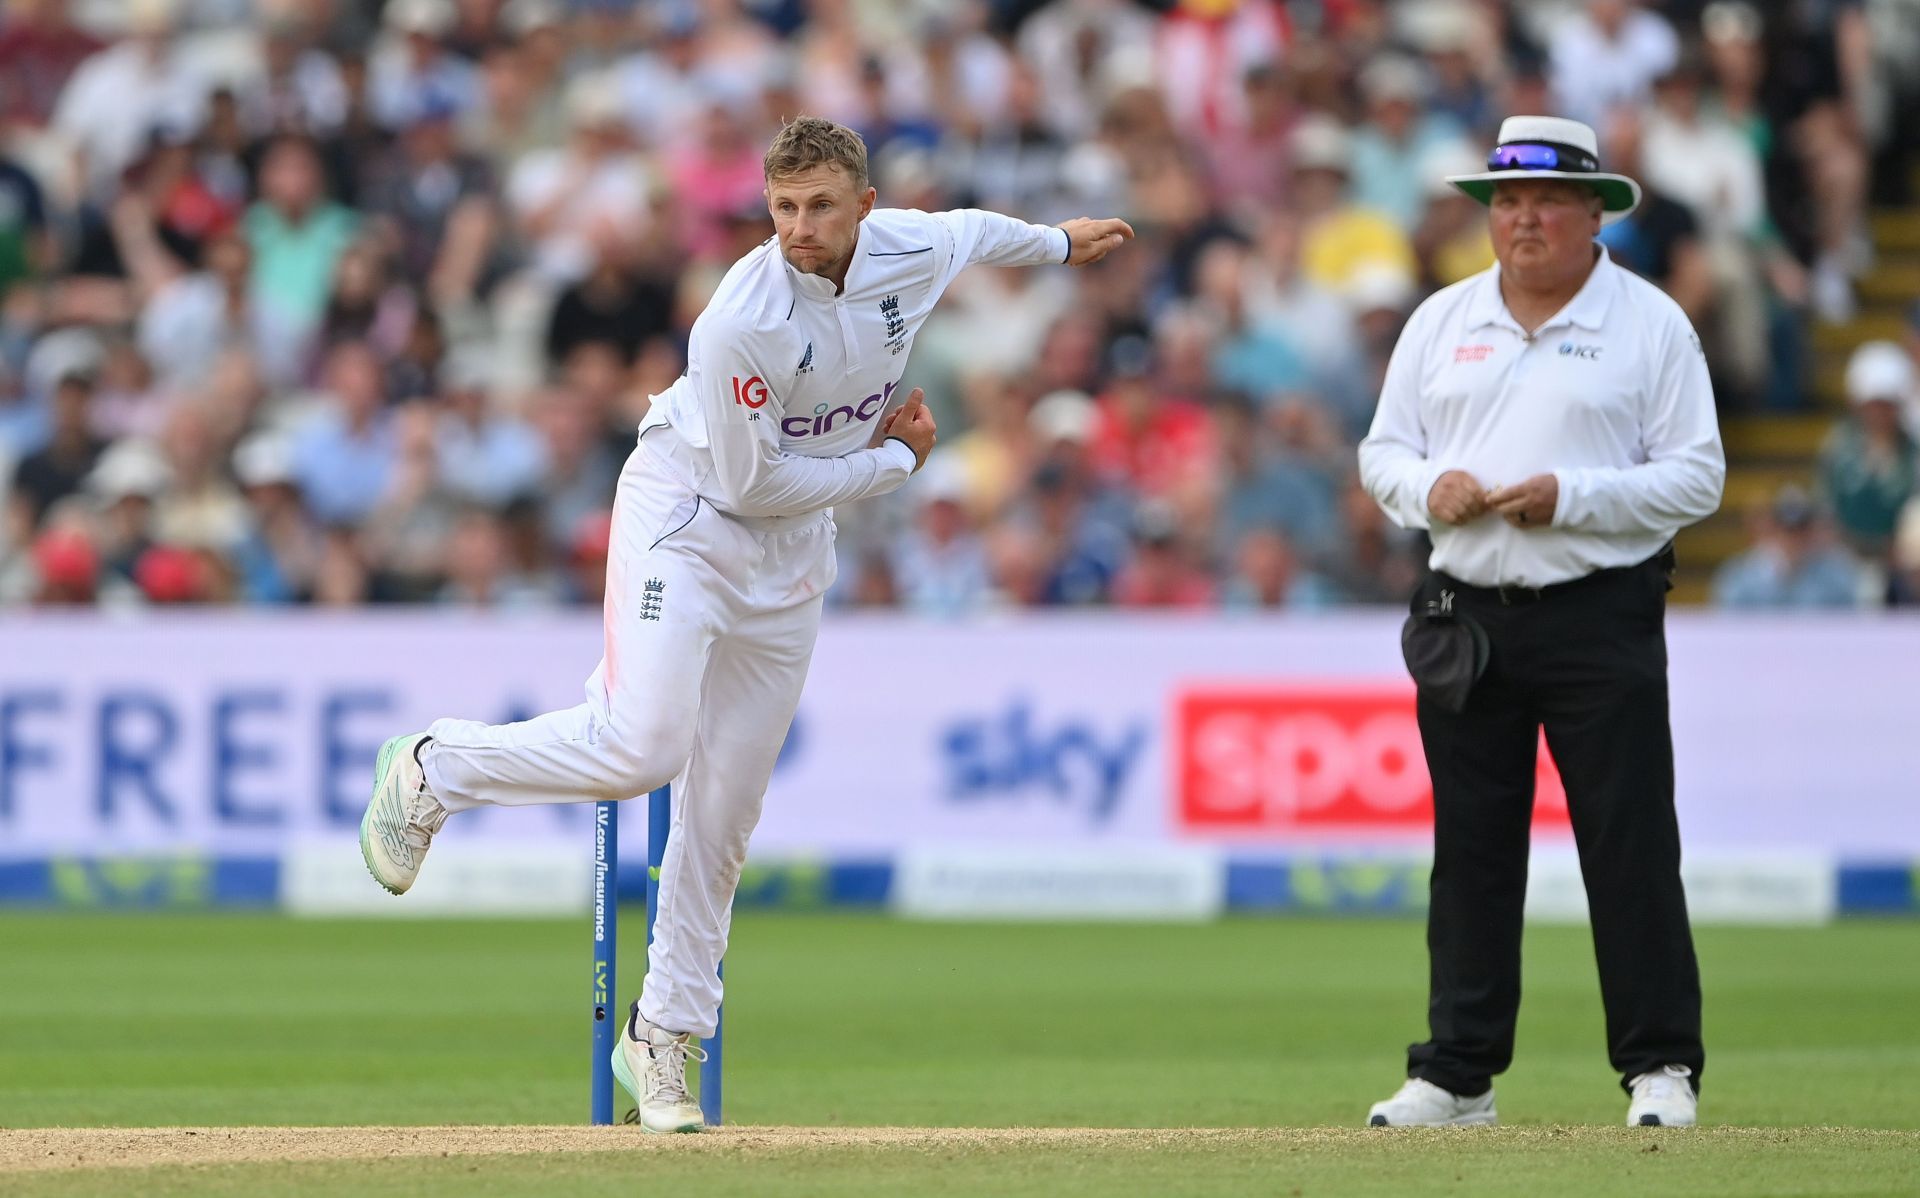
651	1062
401	817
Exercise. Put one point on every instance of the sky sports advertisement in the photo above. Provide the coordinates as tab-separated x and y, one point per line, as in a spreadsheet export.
193	759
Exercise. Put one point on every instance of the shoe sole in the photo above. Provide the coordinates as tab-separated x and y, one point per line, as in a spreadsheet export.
1655	1121
625	1077
381	765
1487	1119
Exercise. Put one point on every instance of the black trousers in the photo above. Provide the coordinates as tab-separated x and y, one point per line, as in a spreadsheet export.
1589	663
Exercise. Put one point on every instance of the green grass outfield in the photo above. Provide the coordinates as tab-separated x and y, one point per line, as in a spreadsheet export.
847	1022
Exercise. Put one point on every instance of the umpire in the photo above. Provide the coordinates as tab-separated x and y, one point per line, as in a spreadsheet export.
1551	422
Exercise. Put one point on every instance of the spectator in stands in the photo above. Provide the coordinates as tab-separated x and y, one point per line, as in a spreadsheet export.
413	67
1451	241
299	88
40	48
942	562
1249	163
568	200
1249	355
1792	563
1078	521
191	318
344	455
431	202
405	540
1268	575
1162	572
56	471
1454	42
1338	237
1156	441
1702	161
200	508
481	571
275	562
1608	56
117	98
1400	132
27	244
487	457
1660	240
1312	317
1819	62
1870	465
297	236
582	467
126	484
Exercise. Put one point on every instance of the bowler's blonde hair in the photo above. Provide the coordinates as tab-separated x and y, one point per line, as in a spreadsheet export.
811	141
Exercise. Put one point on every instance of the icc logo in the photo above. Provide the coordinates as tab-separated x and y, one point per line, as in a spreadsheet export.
752	392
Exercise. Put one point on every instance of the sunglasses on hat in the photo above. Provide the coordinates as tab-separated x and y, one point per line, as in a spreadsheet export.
1541	156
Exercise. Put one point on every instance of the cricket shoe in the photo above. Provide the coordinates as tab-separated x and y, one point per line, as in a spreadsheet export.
651	1062
1663	1098
1420	1103
401	817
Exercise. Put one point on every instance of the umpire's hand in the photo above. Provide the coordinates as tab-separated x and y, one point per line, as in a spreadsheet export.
1528	504
1457	498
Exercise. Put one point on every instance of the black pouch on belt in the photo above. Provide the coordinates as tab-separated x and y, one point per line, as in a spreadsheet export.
1445	650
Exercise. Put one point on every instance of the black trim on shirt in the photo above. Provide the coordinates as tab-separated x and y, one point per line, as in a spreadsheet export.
1069	258
681	525
899	253
792	306
913	469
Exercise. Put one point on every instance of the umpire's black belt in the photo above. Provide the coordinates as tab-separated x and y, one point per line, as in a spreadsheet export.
1513	596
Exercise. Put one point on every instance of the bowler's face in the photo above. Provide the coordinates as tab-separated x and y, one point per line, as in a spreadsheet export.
817	214
1543	226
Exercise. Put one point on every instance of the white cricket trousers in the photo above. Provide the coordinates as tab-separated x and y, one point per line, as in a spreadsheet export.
709	626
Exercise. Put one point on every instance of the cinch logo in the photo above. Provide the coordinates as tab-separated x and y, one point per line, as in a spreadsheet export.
1569	350
1310	761
752	393
825	416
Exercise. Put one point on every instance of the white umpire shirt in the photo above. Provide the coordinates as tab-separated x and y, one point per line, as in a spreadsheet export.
786	380
1610	396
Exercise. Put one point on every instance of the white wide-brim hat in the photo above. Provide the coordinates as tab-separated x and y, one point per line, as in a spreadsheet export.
1551	147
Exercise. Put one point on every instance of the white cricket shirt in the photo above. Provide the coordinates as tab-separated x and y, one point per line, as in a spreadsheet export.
786	381
1610	396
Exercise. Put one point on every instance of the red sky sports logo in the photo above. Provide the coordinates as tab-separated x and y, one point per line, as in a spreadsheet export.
1472	353
1315	761
752	393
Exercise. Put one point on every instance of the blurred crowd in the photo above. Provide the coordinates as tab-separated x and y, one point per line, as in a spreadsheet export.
351	301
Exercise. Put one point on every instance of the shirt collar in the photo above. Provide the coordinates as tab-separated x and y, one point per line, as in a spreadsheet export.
817	287
1587	309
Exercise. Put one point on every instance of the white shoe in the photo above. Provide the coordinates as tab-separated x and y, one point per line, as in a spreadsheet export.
401	817
1420	1103
653	1068
1663	1098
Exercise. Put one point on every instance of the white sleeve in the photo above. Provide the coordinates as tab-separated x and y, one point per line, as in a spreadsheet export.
752	475
1686	468
1393	458
976	236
